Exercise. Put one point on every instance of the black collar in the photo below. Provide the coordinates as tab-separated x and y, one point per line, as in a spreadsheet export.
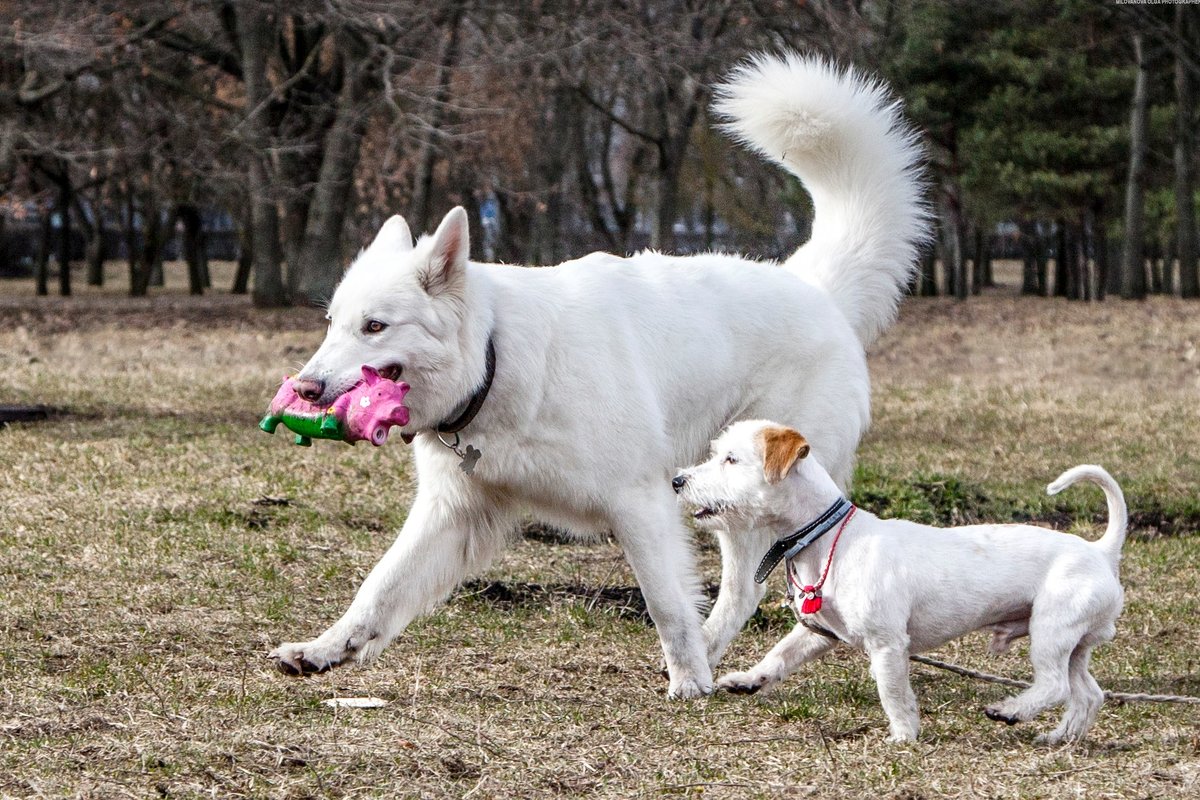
475	401
790	546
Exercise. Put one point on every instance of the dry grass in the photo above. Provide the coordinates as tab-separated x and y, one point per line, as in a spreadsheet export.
143	576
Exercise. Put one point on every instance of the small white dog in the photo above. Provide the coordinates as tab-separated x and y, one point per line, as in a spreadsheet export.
571	393
894	588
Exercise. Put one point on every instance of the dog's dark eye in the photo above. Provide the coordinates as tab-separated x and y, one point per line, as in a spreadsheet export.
729	459
374	326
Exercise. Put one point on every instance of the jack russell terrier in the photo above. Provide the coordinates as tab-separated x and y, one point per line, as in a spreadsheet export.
894	588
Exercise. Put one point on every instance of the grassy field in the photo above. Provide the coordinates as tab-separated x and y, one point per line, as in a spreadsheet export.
154	545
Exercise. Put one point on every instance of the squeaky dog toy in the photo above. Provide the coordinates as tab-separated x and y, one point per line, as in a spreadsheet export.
364	414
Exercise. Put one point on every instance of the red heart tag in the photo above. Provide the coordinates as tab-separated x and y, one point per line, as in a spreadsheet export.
812	601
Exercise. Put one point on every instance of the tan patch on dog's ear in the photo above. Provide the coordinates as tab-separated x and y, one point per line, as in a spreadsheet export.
781	449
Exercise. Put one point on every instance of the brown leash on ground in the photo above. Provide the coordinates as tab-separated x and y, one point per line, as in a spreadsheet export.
1123	697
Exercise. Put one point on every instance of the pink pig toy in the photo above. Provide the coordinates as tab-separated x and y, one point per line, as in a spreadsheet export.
365	413
372	407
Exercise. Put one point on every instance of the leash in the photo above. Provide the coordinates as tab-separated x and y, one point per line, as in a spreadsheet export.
1122	697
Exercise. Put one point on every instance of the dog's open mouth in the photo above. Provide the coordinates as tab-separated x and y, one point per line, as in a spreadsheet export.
709	511
391	372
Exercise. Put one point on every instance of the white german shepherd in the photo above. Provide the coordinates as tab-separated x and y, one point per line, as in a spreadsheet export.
573	393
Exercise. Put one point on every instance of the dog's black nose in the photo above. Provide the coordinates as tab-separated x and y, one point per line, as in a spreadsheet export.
309	389
677	483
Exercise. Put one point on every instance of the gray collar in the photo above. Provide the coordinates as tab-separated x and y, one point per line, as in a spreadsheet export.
790	546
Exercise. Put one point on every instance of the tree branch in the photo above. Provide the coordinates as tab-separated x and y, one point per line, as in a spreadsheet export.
621	123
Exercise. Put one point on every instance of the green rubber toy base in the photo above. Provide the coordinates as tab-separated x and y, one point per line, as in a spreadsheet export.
306	428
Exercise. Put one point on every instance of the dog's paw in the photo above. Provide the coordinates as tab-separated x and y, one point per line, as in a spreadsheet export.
305	658
903	737
322	654
998	714
1060	735
741	682
689	689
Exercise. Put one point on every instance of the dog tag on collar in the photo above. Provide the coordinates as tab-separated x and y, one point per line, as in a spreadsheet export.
469	457
812	600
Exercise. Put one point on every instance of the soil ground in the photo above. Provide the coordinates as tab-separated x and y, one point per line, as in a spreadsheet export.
154	545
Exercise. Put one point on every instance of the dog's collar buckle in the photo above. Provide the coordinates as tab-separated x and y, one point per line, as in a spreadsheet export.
790	546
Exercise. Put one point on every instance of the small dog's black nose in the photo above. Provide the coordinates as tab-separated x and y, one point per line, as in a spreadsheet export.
677	483
309	389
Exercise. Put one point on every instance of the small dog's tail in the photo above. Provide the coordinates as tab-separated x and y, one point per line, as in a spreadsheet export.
843	135
1118	515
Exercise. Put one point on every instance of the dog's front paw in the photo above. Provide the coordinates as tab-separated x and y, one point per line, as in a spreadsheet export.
322	654
999	714
742	682
305	658
688	689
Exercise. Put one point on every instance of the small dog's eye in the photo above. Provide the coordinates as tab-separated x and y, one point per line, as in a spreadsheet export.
729	459
374	326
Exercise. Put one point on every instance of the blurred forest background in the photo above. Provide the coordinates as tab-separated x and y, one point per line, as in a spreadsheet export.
1060	133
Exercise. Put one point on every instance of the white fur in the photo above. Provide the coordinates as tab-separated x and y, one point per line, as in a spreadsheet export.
896	588
610	371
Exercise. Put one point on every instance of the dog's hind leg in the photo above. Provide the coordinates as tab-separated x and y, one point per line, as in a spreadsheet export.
889	668
448	535
739	595
1050	648
798	647
658	548
1086	695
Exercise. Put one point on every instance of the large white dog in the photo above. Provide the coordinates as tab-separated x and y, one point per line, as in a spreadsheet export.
572	393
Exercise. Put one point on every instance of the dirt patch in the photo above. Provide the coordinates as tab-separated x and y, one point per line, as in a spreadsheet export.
27	413
52	315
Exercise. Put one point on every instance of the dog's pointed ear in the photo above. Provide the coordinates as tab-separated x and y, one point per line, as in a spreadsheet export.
447	267
781	449
394	236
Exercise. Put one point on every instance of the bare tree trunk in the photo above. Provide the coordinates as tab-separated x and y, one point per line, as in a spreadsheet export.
989	275
1062	249
64	233
927	279
193	246
42	268
153	236
96	253
1102	245
131	248
255	35
954	258
1185	147
1133	265
672	147
245	259
1079	257
1157	268
589	195
978	275
1029	274
321	265
91	219
423	173
5	253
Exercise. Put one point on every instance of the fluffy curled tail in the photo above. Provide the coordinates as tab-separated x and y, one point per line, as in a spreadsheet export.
1118	515
844	137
